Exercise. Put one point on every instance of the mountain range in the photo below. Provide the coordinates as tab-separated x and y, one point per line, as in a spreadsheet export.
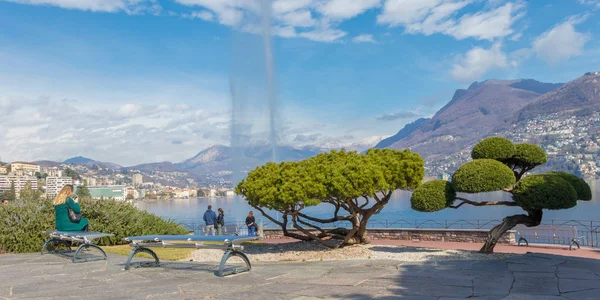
491	107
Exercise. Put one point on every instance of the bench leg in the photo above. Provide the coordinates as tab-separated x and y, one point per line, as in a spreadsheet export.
55	242
77	259
574	242
137	250
231	253
522	239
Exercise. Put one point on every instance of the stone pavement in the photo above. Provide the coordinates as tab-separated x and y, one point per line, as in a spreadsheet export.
529	276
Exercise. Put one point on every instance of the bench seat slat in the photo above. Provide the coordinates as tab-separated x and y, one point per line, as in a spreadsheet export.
194	238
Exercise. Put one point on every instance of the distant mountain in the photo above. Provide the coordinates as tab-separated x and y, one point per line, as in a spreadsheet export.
80	160
471	115
579	96
160	166
221	158
404	132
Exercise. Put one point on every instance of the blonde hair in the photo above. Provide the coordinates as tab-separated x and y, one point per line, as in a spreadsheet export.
65	192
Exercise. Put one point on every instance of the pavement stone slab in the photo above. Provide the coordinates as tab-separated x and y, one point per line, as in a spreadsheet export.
574	285
535	284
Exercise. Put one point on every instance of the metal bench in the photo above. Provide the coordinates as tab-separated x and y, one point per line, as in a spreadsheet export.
84	239
231	244
545	234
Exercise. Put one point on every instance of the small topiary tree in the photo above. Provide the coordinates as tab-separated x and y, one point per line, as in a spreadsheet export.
499	165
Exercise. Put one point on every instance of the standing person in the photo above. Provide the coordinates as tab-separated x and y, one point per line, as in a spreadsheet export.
251	223
63	222
209	219
220	221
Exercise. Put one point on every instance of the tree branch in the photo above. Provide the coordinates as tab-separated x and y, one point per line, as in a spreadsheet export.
484	203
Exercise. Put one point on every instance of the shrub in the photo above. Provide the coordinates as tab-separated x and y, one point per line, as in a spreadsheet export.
22	224
584	192
497	148
433	196
530	154
544	191
483	175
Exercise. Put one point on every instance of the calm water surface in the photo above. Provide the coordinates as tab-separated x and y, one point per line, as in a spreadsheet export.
236	209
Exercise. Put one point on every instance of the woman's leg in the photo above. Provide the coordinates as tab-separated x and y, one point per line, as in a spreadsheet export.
219	229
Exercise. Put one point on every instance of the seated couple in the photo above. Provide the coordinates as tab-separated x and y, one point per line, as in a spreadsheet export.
65	220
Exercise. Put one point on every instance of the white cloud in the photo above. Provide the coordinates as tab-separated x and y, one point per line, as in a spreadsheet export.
561	42
298	18
594	3
346	9
441	16
286	6
478	61
324	35
128	6
204	15
363	38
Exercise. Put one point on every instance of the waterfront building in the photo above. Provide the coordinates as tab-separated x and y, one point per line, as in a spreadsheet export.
52	171
24	168
117	192
54	184
20	182
3	170
138	180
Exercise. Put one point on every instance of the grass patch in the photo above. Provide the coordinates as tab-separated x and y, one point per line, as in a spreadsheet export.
168	254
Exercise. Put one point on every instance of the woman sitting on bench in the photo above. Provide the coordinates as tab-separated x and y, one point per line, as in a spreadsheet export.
65	220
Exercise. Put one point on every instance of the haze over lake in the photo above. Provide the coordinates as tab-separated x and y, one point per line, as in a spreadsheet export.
236	209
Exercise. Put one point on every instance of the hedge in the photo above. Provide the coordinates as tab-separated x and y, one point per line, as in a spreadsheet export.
433	196
497	148
22	225
483	175
544	191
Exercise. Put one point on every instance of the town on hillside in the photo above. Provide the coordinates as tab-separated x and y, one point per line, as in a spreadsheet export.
17	178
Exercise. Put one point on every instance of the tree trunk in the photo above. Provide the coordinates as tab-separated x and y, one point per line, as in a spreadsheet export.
362	230
534	218
351	237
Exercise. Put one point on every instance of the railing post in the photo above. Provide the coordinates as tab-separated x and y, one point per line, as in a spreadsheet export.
592	234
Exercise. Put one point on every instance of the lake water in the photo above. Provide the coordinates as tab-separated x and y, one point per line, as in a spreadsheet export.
236	209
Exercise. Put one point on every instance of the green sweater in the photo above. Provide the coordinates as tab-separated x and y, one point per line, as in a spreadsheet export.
63	223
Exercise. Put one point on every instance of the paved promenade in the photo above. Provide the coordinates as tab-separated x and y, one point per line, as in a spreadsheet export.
529	276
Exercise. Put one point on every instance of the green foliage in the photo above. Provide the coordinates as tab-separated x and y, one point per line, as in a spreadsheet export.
27	193
38	175
530	155
433	196
584	192
129	197
72	173
83	192
497	148
483	175
12	193
22	225
544	191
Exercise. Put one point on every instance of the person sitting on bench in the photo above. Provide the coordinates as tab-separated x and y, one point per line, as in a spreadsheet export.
62	203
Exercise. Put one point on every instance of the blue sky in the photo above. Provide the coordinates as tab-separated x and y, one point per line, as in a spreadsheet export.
110	79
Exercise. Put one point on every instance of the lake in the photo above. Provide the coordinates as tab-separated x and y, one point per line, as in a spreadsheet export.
236	209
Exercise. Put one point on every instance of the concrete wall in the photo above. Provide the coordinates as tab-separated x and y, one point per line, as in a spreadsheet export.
419	234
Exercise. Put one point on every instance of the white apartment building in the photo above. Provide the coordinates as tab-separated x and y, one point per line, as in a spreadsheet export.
20	182
3	170
52	172
24	168
54	184
138	180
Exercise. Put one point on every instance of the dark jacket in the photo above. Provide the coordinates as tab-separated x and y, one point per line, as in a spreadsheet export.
221	220
210	217
250	220
63	223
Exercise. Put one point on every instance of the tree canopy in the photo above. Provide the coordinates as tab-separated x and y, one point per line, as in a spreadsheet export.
500	165
356	185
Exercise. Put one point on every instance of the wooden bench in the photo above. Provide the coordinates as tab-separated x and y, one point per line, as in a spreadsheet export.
84	239
549	234
231	244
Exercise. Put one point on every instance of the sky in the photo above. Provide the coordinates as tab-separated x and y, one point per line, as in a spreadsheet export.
138	81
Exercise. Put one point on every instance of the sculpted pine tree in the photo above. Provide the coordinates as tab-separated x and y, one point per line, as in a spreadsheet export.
500	165
357	186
